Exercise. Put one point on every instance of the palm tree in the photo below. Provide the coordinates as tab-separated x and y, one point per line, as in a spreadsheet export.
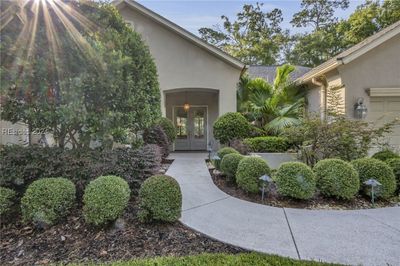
274	106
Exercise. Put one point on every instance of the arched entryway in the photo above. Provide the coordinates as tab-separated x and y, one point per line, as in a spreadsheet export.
193	112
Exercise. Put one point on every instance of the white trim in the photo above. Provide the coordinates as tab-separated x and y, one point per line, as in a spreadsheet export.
182	32
384	92
206	106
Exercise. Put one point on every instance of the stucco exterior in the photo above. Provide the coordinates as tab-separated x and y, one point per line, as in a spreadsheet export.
185	65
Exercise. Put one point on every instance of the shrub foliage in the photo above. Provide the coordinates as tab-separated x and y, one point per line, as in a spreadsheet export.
249	170
337	178
230	163
7	198
295	180
221	154
267	144
370	168
231	126
47	200
394	163
160	199
105	199
385	155
156	135
168	128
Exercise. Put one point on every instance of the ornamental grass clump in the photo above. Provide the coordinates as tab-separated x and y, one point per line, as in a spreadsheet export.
230	163
47	200
370	168
160	199
221	154
105	199
7	199
337	178
249	171
295	180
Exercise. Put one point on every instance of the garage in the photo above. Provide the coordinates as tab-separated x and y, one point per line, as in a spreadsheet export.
383	110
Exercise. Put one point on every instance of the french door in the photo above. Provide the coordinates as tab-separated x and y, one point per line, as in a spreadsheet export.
191	126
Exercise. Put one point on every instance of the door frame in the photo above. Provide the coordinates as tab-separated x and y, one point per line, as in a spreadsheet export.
207	129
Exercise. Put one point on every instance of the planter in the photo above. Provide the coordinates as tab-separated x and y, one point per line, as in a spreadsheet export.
274	160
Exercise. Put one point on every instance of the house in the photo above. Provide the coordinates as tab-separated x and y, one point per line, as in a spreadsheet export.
367	76
269	72
197	81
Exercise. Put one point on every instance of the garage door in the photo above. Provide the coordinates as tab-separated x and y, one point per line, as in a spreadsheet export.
383	110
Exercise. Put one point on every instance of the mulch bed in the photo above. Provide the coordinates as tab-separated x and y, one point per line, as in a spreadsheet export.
318	202
72	240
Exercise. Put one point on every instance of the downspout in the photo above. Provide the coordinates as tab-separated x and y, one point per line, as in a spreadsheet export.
321	82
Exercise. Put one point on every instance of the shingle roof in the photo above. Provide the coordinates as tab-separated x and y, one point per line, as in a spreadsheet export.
268	72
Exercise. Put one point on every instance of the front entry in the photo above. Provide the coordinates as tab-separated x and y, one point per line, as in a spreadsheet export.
191	126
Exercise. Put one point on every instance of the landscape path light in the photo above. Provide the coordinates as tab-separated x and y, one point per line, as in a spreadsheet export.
372	183
266	180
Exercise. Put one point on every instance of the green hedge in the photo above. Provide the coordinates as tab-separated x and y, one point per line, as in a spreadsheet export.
394	163
249	171
337	178
295	180
168	128
230	163
370	168
267	144
221	154
231	126
7	199
385	155
105	199
160	199
48	200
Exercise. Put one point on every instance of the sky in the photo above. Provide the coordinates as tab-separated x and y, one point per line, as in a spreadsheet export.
193	15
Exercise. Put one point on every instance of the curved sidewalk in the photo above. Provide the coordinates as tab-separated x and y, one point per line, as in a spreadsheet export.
366	237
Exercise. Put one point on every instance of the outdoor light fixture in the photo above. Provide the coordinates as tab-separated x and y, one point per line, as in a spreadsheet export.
186	107
360	109
209	150
265	179
372	183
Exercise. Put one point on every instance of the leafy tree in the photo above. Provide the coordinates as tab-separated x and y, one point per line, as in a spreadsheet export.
318	13
96	81
254	37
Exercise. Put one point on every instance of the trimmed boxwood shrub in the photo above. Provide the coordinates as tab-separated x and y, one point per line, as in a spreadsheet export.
267	144
48	200
168	128
160	199
231	126
394	163
221	154
105	199
7	198
385	155
249	171
230	163
368	168
156	135
295	180
337	178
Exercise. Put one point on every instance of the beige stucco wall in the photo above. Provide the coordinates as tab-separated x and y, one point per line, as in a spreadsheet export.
379	68
182	64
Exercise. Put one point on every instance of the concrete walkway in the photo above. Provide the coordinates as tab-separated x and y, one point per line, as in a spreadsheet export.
360	237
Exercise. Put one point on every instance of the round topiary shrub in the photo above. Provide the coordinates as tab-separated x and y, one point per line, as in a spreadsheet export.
7	198
47	200
231	126
337	178
370	168
168	128
249	171
295	180
385	155
105	199
156	135
221	154
229	164
394	163
160	199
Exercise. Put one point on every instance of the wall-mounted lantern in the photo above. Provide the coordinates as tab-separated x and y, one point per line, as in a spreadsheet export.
360	109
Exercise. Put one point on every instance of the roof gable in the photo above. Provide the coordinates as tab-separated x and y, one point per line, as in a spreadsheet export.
354	52
182	32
